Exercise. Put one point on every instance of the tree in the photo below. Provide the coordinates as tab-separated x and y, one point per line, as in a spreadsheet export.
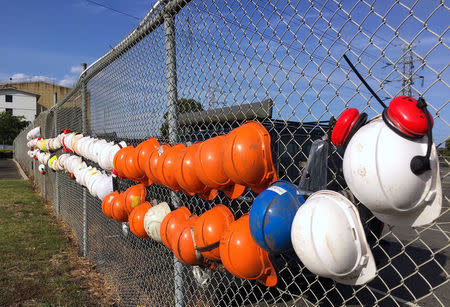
447	147
184	106
10	127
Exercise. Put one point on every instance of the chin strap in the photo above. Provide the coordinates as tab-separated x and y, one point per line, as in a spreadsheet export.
420	164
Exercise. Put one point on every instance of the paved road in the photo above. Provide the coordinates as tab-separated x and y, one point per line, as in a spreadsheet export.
8	170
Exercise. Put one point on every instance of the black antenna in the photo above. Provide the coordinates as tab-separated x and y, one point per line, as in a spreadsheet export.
364	81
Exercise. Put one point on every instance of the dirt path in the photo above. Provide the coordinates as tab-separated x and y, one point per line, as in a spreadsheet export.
8	170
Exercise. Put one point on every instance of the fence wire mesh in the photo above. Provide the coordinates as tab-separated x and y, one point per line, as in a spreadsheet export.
279	63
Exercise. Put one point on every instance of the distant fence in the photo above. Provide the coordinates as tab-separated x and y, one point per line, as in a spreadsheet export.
281	64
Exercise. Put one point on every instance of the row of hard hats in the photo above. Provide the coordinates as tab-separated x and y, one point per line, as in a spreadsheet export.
213	236
98	183
325	231
391	163
227	162
34	133
98	150
51	144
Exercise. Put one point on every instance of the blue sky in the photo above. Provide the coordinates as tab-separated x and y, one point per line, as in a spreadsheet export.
50	39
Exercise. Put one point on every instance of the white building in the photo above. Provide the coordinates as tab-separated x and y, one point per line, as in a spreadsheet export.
18	102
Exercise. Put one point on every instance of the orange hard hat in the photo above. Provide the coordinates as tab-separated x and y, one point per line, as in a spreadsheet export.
134	196
151	170
107	203
208	230
247	156
118	211
119	160
187	177
166	167
208	164
242	257
185	249
143	151
136	220
171	225
132	169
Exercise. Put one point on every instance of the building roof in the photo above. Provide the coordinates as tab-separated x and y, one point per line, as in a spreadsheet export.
5	89
20	83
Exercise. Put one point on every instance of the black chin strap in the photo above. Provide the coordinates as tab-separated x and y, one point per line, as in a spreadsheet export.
420	164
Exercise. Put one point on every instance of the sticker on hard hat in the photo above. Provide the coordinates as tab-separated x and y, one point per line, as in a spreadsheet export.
278	190
52	159
135	201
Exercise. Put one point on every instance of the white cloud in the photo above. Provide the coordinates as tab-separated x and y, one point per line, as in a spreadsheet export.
76	69
68	80
21	77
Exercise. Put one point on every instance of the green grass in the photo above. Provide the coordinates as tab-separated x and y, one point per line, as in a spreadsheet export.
34	255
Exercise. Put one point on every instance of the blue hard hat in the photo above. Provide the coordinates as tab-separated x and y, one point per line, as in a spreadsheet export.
272	214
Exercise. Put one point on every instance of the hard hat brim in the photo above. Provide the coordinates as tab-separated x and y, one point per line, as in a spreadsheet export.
424	215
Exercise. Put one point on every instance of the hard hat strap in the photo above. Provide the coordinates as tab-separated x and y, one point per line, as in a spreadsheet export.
420	164
209	247
364	81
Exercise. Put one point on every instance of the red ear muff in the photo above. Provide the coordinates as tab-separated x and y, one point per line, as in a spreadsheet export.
410	119
407	117
346	126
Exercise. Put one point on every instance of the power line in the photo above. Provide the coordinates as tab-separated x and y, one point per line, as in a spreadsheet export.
329	36
293	69
112	9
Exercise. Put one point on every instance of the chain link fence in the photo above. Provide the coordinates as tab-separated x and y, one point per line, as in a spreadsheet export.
196	69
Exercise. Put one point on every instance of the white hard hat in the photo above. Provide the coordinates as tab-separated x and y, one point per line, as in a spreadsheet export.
56	165
81	175
328	237
45	157
34	133
66	140
377	170
103	186
56	143
97	148
63	159
153	219
103	155
51	145
88	175
72	140
112	153
77	141
41	169
70	163
81	146
88	148
91	177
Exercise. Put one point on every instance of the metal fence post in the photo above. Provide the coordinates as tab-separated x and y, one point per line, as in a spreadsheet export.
44	184
84	130
172	110
57	208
